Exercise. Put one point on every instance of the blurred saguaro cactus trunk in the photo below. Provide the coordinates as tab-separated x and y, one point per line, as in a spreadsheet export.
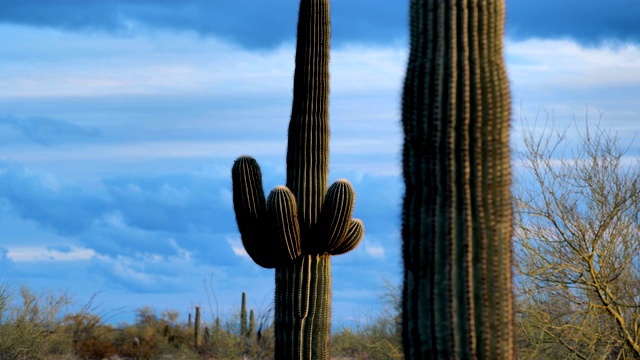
457	217
302	224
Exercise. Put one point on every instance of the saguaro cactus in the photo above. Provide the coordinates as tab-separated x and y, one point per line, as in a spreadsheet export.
243	315
251	331
301	224
196	329
457	301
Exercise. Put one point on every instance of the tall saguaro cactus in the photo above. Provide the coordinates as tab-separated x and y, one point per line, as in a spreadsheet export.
302	224
457	301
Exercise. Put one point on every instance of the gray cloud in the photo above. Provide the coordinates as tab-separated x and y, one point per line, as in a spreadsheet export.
266	24
173	203
169	203
67	208
48	131
588	22
251	23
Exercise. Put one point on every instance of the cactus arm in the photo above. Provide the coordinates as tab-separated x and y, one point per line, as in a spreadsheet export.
336	212
283	215
251	211
352	238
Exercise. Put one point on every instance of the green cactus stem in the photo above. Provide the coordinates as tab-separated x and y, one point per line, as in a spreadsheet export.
251	332
196	329
243	315
457	221
300	225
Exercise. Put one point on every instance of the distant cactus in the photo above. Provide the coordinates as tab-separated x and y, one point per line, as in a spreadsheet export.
299	226
247	327
243	315
252	324
458	302
196	329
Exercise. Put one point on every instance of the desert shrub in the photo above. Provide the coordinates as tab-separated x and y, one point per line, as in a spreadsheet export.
92	348
223	339
377	339
29	322
373	337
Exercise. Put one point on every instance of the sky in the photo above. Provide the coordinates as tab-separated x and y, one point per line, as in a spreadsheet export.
120	121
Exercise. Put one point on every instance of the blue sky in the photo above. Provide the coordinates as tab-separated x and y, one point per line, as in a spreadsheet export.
120	121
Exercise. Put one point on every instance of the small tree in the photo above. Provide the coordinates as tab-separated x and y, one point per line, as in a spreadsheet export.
577	251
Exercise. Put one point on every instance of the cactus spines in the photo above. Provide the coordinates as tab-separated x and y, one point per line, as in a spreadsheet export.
300	225
457	298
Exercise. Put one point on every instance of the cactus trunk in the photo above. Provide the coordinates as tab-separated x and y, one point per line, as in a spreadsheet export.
303	308
301	224
457	299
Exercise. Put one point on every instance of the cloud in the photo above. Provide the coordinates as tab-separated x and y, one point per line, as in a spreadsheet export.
250	23
6	263
48	131
263	25
564	80
374	250
42	253
587	22
149	228
143	273
237	247
173	65
567	64
173	203
167	215
66	207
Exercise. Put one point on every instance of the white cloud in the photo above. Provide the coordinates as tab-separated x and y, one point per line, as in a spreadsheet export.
360	69
374	249
560	81
237	247
90	64
147	151
182	254
42	253
567	64
85	64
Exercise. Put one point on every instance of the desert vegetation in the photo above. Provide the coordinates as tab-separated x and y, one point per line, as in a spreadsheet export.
577	242
40	326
